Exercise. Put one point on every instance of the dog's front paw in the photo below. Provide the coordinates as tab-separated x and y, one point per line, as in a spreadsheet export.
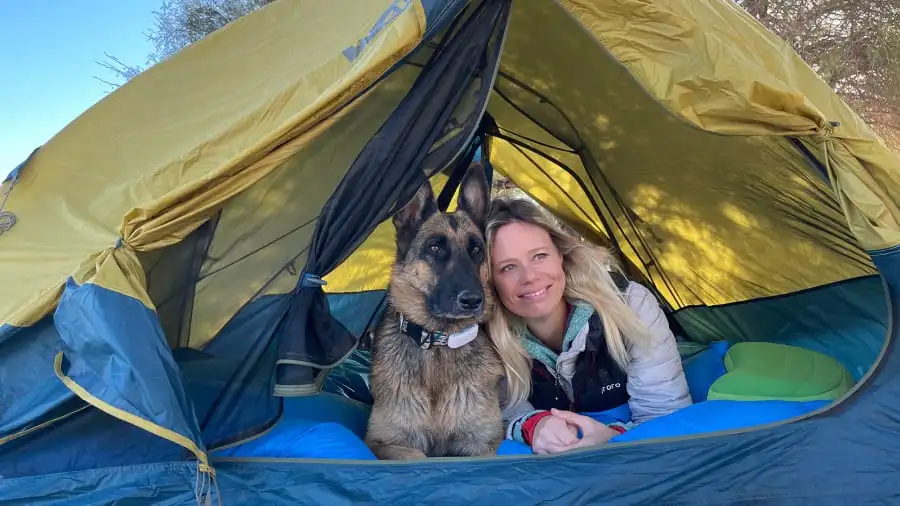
396	452
468	446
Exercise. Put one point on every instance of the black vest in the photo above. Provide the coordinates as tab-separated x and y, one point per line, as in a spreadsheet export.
599	383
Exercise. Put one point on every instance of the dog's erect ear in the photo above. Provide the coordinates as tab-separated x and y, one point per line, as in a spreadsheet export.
408	220
475	195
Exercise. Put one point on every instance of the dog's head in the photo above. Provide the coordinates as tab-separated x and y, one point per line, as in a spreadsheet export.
440	279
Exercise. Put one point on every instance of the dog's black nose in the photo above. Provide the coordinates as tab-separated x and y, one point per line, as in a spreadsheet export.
468	300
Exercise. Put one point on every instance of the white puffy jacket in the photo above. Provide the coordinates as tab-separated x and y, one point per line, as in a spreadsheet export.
656	382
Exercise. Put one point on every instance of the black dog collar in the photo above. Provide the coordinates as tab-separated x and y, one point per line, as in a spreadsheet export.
426	339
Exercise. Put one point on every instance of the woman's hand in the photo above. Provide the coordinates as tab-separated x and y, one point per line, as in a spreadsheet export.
592	431
551	434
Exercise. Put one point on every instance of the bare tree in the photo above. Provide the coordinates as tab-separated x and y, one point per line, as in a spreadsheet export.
854	45
178	24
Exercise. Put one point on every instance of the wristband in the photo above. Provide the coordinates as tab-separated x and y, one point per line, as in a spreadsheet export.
530	424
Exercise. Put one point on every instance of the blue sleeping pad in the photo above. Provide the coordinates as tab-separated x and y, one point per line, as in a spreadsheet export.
322	426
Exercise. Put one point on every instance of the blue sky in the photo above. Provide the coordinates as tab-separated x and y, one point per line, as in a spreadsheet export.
48	55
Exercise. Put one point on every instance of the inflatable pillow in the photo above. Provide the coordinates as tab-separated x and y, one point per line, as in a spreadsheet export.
769	371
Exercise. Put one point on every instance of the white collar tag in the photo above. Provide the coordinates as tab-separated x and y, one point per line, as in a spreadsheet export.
463	337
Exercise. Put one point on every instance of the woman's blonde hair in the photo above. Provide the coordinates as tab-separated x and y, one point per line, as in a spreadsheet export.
587	268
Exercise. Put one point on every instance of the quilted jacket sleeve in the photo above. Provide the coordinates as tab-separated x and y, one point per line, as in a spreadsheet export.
656	382
515	416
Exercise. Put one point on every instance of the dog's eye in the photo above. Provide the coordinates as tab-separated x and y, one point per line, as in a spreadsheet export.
476	250
434	248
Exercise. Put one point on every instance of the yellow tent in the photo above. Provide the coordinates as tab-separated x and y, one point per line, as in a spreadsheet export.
236	197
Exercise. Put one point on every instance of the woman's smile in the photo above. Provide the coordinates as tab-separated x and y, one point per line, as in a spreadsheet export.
537	295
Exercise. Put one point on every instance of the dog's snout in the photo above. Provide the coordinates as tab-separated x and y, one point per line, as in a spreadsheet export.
469	300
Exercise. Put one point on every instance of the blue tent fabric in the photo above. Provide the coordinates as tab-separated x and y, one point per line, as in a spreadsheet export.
14	174
230	382
845	320
92	322
229	386
845	455
357	312
31	392
89	439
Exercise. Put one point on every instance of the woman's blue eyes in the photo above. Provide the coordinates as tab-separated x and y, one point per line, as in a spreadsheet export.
538	256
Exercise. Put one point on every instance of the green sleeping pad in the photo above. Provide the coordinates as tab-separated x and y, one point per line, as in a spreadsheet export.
768	371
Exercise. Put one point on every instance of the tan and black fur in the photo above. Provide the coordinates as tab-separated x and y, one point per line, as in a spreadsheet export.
438	401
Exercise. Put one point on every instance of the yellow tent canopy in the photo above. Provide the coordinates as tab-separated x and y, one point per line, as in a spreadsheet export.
240	191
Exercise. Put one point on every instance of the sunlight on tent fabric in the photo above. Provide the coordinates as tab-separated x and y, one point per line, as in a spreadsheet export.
540	170
369	267
752	88
549	185
671	177
738	216
699	252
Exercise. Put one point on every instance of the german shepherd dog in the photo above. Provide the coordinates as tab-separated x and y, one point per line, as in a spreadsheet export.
435	373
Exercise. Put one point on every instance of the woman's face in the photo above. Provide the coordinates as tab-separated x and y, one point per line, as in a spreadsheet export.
527	270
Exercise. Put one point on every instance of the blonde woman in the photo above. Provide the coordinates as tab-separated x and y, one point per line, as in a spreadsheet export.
575	335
